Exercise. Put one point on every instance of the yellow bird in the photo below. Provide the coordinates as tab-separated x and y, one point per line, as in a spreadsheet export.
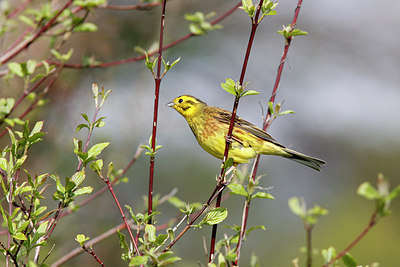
210	126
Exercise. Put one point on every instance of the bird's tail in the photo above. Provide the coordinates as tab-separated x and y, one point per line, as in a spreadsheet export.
304	159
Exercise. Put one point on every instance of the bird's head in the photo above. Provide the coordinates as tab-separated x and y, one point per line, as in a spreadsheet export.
188	106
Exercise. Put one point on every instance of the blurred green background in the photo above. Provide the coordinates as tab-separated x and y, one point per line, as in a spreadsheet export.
342	80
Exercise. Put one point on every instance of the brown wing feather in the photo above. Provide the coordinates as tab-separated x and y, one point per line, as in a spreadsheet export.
224	116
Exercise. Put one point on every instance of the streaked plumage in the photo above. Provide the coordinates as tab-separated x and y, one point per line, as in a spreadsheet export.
210	126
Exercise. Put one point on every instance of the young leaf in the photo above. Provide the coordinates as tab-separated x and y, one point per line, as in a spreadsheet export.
150	230
297	206
139	260
237	189
81	239
368	191
83	190
97	149
262	195
349	260
78	177
215	216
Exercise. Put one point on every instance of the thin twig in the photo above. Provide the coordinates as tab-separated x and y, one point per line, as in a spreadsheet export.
107	181
18	9
212	197
78	250
371	223
140	6
91	252
102	190
90	243
151	53
25	44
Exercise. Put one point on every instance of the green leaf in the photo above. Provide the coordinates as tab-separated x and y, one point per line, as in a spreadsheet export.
395	192
19	236
83	190
150	230
16	69
80	126
85	116
297	32
37	128
97	149
368	191
262	195
195	29
328	254
39	211
122	241
237	189
169	261
97	165
229	86
30	66
81	239
349	260
27	20
297	206
3	164
177	203
250	92
215	216
78	178
86	27
41	230
139	260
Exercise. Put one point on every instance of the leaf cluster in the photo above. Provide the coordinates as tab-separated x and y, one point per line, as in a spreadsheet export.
236	89
200	25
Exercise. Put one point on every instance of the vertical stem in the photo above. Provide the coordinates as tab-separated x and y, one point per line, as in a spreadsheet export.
9	212
254	26
309	247
267	121
157	79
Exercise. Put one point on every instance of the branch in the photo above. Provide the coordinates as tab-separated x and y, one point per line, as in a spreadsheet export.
142	57
255	24
101	191
371	223
139	6
266	124
157	80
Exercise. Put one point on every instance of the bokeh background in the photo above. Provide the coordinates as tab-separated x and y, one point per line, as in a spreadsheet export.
342	80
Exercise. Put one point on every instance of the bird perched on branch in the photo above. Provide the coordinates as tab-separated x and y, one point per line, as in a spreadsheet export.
210	126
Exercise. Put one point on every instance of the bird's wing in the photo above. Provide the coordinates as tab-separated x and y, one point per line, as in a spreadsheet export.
224	116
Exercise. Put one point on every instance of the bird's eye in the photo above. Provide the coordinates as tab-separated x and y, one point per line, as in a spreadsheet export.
180	100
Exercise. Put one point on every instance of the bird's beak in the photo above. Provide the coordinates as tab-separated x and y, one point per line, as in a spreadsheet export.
171	104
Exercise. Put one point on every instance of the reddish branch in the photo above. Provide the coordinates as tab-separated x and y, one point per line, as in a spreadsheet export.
122	215
151	53
266	124
254	26
139	6
91	252
157	80
372	222
18	9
